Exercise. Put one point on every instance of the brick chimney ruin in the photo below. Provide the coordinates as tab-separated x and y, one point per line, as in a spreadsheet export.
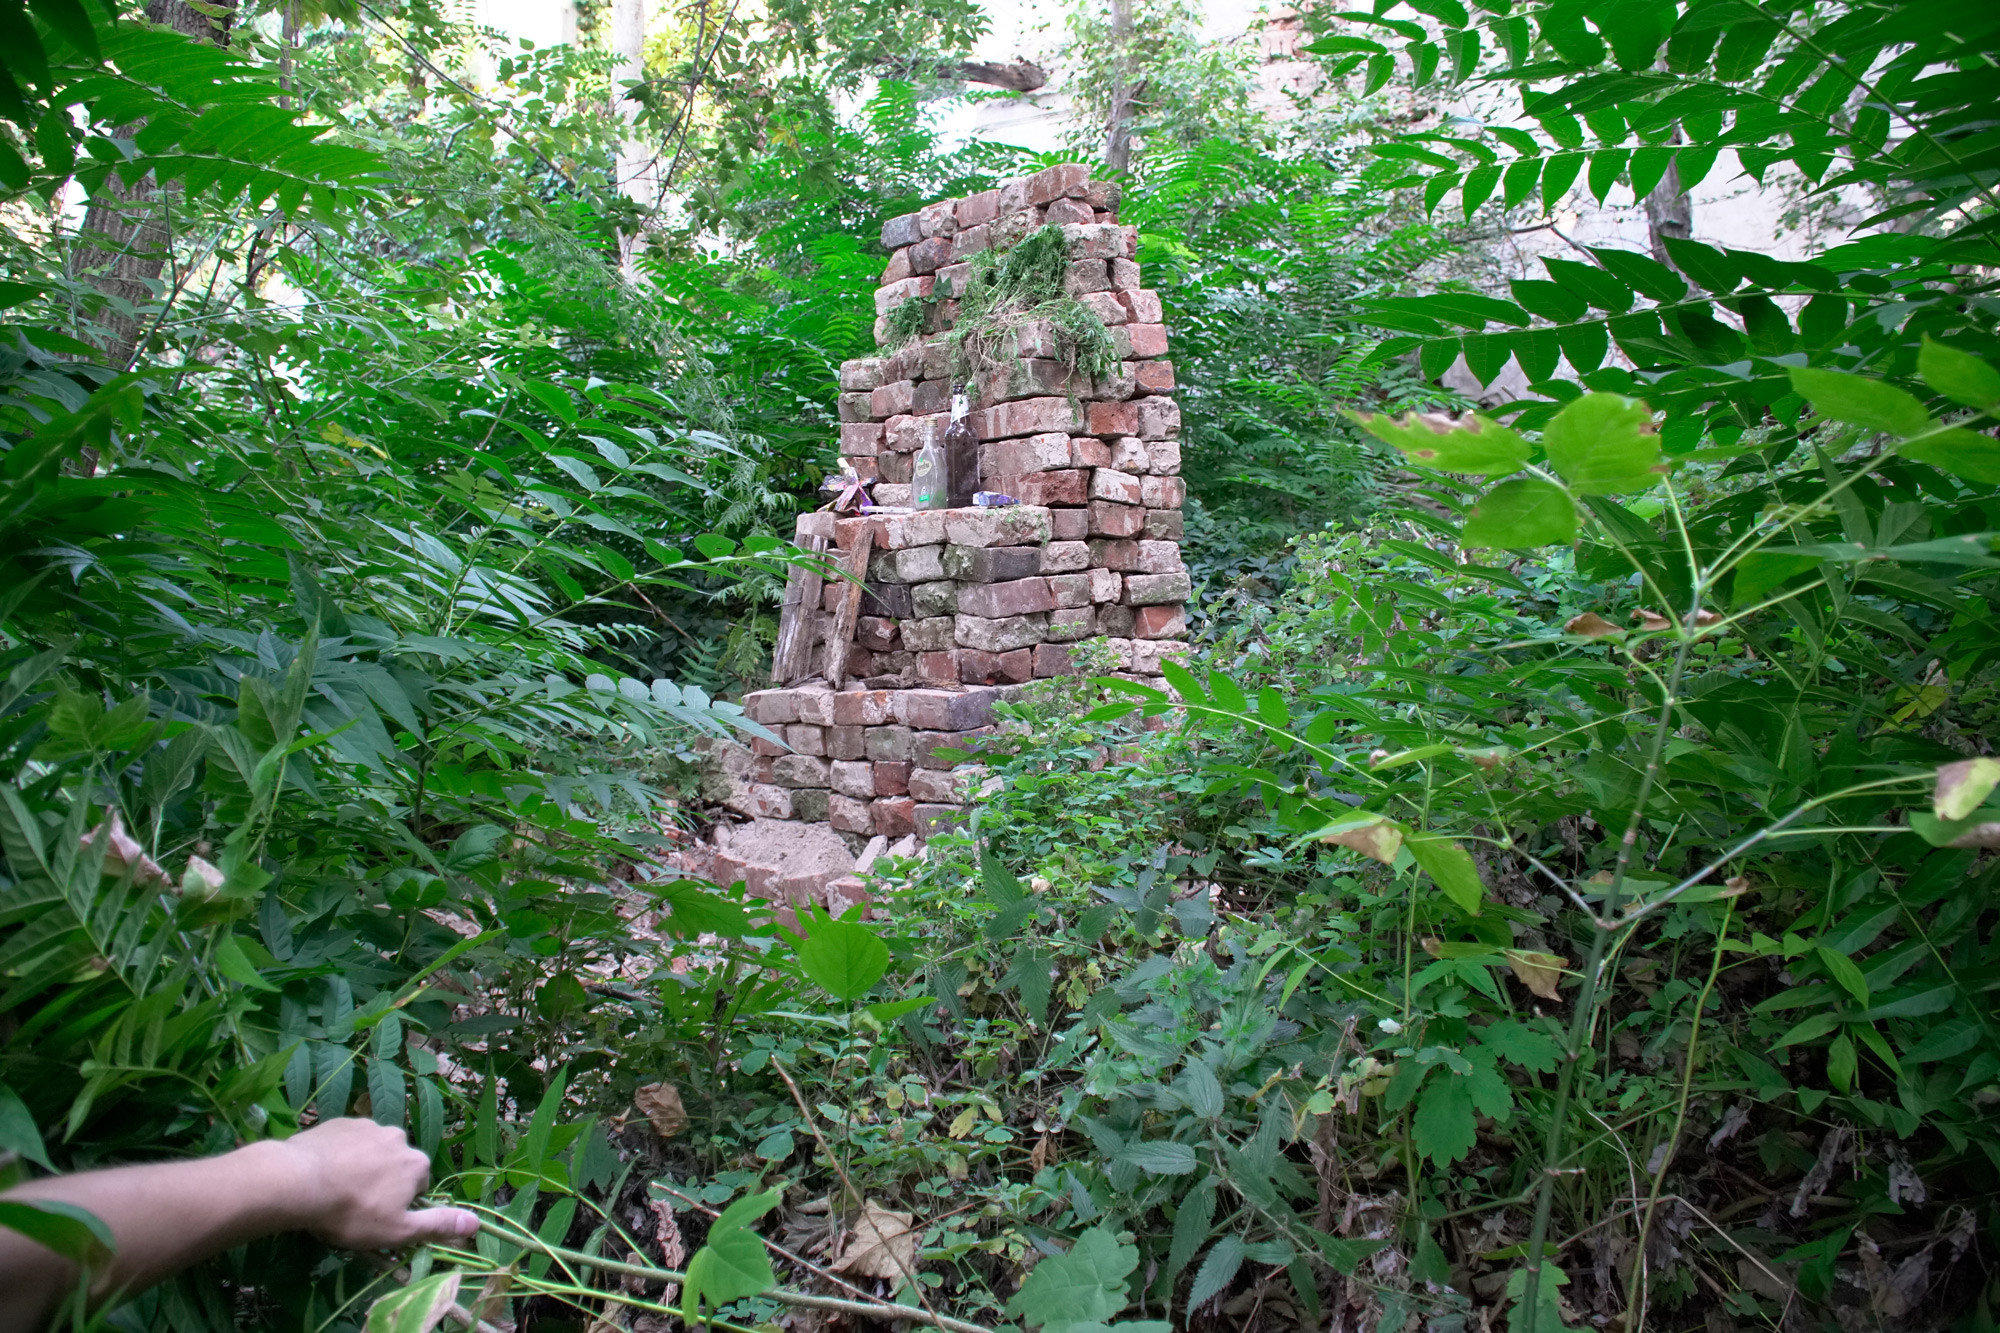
958	609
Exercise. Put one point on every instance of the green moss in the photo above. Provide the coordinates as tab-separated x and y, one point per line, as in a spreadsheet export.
909	320
1007	290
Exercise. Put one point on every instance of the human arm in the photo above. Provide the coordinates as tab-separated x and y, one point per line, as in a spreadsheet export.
349	1182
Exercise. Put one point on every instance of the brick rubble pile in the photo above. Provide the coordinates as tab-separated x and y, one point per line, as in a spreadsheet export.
963	606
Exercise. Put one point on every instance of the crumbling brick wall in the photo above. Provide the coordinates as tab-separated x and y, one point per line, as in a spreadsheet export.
963	606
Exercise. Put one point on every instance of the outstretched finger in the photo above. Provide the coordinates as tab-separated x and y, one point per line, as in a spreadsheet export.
435	1224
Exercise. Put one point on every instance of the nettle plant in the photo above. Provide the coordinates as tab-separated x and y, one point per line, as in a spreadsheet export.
1764	739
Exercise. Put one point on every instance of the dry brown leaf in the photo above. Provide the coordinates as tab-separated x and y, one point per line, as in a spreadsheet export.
1539	972
1380	839
1590	625
1432	945
491	1302
882	1243
1039	1158
1963	786
660	1103
1651	622
1703	619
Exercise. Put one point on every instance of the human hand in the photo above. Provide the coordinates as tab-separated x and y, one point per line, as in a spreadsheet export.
355	1181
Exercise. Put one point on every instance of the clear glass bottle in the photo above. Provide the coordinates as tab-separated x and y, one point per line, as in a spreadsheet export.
930	477
961	454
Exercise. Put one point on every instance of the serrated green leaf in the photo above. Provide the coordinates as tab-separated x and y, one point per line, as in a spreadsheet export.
1444	1128
1474	444
843	958
1861	401
1521	514
1086	1282
1604	444
1961	452
1959	376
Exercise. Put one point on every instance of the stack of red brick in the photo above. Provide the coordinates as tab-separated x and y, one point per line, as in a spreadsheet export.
968	603
868	761
1095	463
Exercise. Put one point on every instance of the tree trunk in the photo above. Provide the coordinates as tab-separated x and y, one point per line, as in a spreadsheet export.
122	248
636	172
1118	127
1669	215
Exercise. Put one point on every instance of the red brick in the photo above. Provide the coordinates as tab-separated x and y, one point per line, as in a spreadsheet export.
1159	557
945	710
860	663
853	407
1116	520
1157	589
1155	376
861	374
939	668
1087	275
931	396
805	738
846	742
1117	487
1065	557
976	209
892	777
1069	525
1070	590
769	706
896	469
1107	307
997	601
970	241
865	469
1143	306
1070	213
982	668
939	219
1158	419
854	780
1165	456
889	297
1052	659
769	802
895	816
1049	488
1165	524
1114	418
1093	241
1087	451
930	254
901	231
769	749
1121	554
1160	622
1048	452
1106	585
1124	275
1049	184
1163	492
1034	377
1026	416
850	814
877	635
892	400
1140	340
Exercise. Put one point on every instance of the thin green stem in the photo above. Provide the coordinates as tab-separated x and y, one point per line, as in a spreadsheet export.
1635	1289
1585	1016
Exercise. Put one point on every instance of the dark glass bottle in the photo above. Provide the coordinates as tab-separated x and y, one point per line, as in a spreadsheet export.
961	449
